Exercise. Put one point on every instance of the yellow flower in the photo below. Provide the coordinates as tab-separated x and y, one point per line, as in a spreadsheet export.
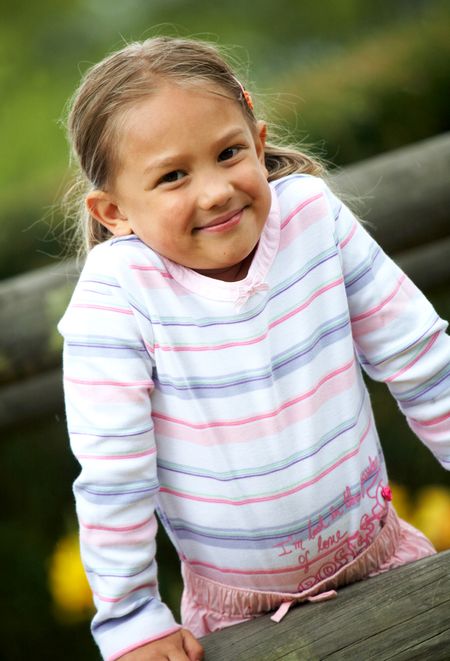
432	515
401	500
69	588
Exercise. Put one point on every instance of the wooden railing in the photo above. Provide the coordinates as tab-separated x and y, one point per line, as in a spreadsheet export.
402	615
404	196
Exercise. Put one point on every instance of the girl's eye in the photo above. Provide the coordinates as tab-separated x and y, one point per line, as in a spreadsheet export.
172	177
228	153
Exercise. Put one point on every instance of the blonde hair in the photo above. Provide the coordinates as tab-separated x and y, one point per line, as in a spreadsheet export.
128	75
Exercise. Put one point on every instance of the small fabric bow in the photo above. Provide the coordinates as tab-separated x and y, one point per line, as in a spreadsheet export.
246	291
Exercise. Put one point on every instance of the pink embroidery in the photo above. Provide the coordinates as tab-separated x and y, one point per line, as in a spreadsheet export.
386	492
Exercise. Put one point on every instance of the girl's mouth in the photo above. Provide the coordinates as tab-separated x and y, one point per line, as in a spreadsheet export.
223	223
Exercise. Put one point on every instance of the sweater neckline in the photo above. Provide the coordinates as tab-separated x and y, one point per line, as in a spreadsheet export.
240	290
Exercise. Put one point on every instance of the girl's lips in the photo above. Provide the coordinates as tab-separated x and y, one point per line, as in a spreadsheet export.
223	223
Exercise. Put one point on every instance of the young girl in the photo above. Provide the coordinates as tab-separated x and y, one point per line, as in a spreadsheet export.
212	360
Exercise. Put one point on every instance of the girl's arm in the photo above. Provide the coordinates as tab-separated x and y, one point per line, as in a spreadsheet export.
398	335
108	382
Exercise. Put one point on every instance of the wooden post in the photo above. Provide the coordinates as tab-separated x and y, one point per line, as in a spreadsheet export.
404	194
403	614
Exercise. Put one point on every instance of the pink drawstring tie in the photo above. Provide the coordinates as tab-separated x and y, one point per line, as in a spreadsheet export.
285	606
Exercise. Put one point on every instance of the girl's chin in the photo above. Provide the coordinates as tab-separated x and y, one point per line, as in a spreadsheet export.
231	273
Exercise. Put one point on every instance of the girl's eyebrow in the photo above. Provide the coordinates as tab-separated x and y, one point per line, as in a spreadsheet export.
172	160
163	163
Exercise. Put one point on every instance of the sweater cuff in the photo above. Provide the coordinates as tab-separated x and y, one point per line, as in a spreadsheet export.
116	637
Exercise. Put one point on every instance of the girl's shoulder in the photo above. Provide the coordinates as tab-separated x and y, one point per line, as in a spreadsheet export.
299	184
294	189
119	254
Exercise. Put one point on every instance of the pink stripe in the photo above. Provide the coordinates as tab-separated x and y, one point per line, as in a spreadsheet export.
381	305
114	600
263	499
299	208
316	294
263	416
215	347
349	237
128	536
406	296
263	428
434	421
260	338
413	362
120	384
106	308
437	433
102	539
114	457
138	267
141	524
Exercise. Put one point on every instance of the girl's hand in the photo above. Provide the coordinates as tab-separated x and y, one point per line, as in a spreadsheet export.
179	646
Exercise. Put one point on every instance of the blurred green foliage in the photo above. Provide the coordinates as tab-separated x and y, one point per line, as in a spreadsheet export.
354	78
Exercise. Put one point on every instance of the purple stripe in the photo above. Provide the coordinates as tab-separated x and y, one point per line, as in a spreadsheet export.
361	280
416	340
237	541
104	350
406	403
282	183
234	478
103	628
281	369
338	213
232	321
124	435
127	574
114	497
100	282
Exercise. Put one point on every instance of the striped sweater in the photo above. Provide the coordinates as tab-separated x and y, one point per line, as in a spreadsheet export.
237	411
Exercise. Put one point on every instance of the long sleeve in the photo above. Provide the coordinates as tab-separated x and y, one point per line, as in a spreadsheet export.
399	337
108	382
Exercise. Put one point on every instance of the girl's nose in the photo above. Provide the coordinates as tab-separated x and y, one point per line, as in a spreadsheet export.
216	191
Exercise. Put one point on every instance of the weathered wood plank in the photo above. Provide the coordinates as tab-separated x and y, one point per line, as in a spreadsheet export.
429	265
404	194
402	615
30	307
40	396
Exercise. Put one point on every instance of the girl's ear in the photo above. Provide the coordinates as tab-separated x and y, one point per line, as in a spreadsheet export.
261	142
262	132
102	206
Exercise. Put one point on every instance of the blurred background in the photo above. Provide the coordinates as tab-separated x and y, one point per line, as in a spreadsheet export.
353	79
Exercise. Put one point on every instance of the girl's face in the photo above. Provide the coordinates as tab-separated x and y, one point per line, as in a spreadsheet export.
191	181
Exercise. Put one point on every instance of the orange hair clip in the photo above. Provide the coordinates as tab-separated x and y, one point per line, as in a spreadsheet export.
246	96
248	99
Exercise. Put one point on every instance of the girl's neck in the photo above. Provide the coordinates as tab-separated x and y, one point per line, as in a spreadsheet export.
230	273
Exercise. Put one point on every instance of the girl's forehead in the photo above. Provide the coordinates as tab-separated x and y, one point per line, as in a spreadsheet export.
188	89
179	120
172	102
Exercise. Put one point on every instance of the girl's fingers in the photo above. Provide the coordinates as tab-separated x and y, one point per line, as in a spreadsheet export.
191	646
